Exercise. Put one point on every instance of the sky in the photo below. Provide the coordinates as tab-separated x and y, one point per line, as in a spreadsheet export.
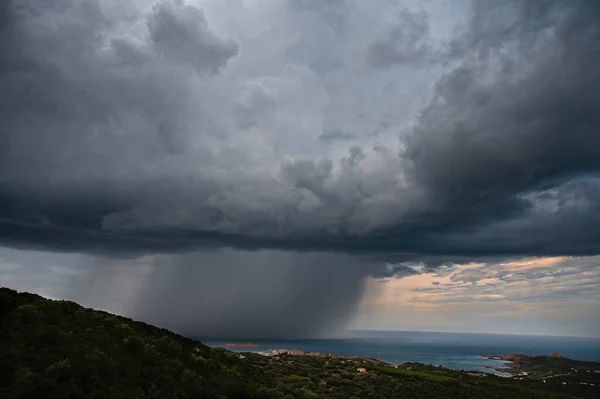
288	168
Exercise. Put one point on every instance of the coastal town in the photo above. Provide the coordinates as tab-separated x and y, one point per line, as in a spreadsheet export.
295	352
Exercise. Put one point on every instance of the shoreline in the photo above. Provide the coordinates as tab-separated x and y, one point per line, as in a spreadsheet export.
507	365
516	364
296	352
276	352
512	362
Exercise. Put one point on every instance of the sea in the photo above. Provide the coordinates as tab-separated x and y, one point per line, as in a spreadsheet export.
457	351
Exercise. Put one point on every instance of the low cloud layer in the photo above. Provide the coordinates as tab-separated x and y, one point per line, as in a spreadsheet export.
233	294
544	296
174	126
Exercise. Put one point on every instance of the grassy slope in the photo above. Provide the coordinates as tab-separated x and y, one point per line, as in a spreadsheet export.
58	349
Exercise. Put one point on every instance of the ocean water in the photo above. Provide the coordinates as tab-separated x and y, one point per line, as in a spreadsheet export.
458	351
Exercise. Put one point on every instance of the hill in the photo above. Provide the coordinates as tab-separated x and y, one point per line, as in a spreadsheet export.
59	349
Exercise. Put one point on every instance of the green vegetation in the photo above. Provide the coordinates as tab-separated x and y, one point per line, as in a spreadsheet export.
58	349
555	371
393	371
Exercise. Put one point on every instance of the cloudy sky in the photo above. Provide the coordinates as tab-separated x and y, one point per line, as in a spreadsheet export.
289	167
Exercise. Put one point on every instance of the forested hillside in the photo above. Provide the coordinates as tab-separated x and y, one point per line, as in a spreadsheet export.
58	349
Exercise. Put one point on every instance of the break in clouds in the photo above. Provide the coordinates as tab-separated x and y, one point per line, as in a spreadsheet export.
355	133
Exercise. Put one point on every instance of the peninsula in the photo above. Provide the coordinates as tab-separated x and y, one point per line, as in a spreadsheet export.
549	367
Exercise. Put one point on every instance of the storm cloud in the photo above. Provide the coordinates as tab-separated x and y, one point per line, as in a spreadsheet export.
141	128
229	144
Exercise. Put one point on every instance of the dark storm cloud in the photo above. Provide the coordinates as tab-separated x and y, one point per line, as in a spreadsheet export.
503	126
504	148
123	133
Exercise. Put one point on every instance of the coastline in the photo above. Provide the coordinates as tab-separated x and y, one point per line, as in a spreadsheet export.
542	366
452	352
506	370
296	352
511	362
275	353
